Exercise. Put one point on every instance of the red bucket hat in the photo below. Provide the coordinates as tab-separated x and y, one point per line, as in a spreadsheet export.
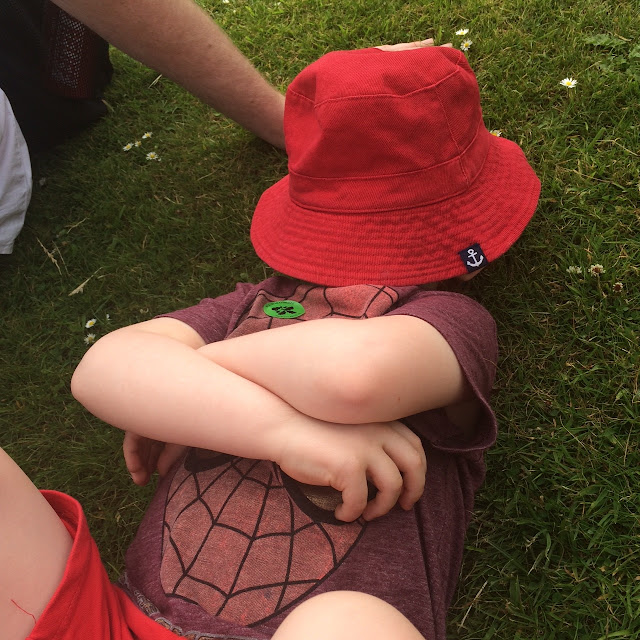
393	177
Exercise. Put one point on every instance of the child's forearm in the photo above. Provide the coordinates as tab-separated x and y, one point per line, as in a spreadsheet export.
161	388
349	371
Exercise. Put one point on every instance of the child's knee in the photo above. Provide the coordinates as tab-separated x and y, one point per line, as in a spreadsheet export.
345	615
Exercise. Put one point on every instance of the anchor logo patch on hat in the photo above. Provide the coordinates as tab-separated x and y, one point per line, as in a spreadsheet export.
473	258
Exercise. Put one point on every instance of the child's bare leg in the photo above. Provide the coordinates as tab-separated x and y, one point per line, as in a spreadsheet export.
34	547
345	615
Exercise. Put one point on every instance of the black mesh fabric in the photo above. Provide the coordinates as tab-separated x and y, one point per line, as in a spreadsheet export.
53	70
76	63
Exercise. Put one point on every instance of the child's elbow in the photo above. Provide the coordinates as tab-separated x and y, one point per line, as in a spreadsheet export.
88	377
356	388
82	375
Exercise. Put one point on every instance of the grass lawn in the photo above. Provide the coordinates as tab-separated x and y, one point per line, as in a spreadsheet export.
554	549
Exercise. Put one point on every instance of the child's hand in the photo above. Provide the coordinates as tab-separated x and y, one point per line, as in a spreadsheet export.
143	456
345	457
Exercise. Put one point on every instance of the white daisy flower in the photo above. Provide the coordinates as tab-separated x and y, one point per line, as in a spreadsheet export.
90	338
90	323
466	44
596	269
127	147
137	143
570	83
496	132
146	135
462	32
152	155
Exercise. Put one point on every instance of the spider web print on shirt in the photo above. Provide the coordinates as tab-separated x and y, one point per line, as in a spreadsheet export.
241	540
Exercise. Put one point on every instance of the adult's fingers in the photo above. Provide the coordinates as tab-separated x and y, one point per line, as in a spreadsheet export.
404	46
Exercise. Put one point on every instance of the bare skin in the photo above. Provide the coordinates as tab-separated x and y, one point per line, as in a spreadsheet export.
34	547
345	615
181	41
152	379
403	46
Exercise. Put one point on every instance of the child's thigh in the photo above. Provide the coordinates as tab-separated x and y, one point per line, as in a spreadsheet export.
34	547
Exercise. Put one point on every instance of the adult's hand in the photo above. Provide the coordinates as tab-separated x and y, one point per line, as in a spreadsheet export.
404	46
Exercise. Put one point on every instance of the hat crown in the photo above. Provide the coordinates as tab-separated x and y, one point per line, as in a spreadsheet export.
406	125
393	177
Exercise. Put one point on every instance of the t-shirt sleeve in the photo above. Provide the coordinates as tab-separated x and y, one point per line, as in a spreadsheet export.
470	331
212	317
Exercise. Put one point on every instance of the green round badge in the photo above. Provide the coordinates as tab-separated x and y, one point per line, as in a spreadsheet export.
283	309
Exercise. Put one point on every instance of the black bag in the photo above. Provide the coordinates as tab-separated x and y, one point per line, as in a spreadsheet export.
53	70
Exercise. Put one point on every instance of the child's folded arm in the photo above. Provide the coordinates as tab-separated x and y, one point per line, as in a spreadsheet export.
151	380
349	371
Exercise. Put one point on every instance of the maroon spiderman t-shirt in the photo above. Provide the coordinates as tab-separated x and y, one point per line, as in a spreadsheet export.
230	545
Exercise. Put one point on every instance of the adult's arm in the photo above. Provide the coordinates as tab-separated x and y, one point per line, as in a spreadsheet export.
178	39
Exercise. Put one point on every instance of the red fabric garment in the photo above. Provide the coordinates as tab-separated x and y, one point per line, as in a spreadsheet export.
393	176
229	546
86	604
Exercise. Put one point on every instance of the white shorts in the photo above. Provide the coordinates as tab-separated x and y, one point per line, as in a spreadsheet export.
15	176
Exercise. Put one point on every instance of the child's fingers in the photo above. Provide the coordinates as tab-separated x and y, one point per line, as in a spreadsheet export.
154	451
136	451
169	454
131	452
387	479
354	497
397	469
412	490
407	453
413	438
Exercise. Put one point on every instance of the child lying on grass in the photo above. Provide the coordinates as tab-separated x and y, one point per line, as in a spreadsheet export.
316	402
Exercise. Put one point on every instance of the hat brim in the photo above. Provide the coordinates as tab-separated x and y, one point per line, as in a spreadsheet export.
400	247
